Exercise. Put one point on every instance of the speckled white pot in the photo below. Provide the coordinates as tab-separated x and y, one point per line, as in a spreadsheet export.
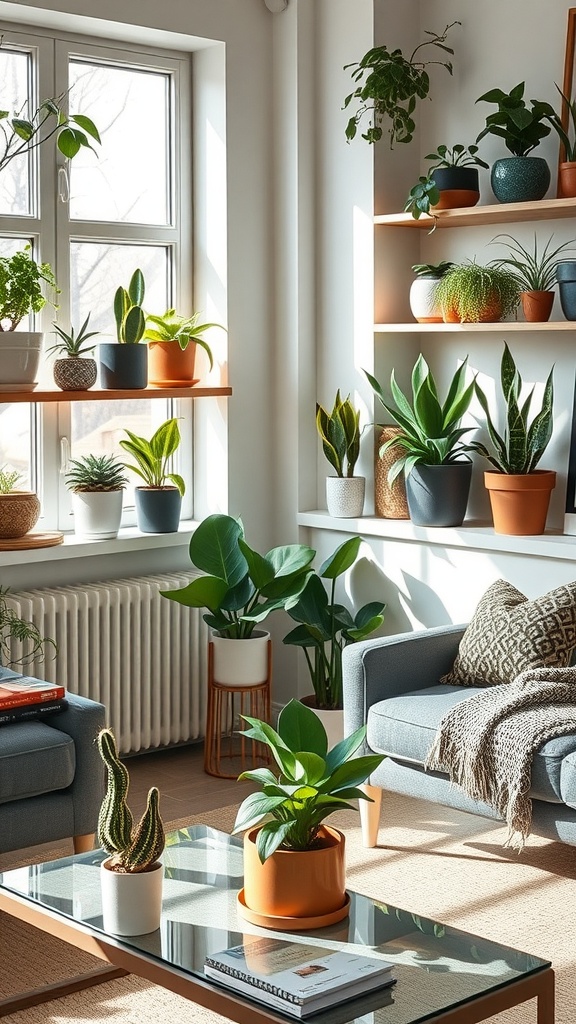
345	496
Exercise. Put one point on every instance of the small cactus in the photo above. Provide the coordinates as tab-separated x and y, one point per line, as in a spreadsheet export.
131	847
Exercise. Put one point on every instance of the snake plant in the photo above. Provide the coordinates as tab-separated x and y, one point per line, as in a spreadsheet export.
128	313
339	431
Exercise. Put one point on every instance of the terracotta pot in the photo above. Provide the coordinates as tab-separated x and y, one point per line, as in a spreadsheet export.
455	198
169	366
290	883
19	511
537	306
520	503
490	314
458	187
567	180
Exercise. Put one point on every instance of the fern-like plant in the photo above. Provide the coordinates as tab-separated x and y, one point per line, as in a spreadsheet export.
131	847
339	432
8	478
470	293
96	473
12	627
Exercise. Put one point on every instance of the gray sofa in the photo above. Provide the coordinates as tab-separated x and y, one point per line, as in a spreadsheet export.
391	686
51	776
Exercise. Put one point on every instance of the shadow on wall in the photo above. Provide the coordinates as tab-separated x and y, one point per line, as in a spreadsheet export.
423	603
368	582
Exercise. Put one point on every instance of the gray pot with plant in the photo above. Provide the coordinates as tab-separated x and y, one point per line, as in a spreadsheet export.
535	272
159	501
339	432
74	372
435	464
520	177
97	484
471	293
455	172
22	281
124	364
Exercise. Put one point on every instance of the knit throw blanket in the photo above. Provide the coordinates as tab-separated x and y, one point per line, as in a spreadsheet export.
486	743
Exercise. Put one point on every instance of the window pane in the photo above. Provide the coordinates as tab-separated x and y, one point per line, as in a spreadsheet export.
97	269
129	181
14	176
15	441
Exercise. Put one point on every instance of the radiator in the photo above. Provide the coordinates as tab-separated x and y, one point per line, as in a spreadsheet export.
121	643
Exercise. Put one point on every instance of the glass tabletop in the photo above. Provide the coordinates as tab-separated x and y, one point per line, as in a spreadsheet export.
436	967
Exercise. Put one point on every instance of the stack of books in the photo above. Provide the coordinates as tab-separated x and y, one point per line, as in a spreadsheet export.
24	697
296	978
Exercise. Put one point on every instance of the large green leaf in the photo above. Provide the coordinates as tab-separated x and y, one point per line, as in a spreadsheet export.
214	548
309	768
270	837
203	592
351	773
341	560
254	808
301	729
166	439
344	749
134	325
259	568
291	558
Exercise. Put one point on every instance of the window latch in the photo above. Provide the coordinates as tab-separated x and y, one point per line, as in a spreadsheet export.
64	455
63	185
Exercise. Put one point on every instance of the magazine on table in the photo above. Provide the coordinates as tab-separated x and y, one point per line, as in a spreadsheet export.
296	978
25	712
27	690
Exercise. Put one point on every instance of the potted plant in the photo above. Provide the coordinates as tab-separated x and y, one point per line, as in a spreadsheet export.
518	178
339	432
240	589
96	483
22	280
565	126
158	503
388	86
436	469
124	364
325	627
172	344
14	629
22	134
535	272
519	493
294	864
131	876
470	293
74	372
19	510
455	172
423	304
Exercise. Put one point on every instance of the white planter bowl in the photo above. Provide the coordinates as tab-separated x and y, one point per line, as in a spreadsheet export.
345	496
240	662
131	903
423	304
97	514
19	357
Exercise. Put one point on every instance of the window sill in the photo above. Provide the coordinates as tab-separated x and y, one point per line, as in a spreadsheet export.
129	539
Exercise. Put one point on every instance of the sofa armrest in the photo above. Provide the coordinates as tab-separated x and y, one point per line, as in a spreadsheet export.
82	719
391	665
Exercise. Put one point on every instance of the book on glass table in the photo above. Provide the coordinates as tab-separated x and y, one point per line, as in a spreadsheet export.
27	690
295	978
26	712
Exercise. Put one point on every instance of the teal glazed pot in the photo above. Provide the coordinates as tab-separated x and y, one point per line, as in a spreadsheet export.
566	277
520	179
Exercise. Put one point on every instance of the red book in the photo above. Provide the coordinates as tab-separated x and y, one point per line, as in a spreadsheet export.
26	690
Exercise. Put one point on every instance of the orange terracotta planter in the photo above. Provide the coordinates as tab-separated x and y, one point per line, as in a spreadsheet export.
490	314
520	503
537	306
567	180
169	366
290	883
456	198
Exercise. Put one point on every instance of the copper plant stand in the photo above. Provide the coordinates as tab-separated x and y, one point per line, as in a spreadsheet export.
226	705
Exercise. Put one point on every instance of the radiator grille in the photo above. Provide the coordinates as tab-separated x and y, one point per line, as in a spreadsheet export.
121	643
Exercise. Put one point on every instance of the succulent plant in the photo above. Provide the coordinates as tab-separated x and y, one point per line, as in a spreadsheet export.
339	431
8	478
128	312
171	326
96	473
73	344
132	848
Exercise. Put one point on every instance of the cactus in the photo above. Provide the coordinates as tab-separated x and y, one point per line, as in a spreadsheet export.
128	312
131	847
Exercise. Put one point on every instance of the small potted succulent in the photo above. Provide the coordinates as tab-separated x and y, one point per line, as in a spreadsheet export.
520	177
19	510
471	293
172	341
294	864
423	303
74	372
159	500
15	630
339	432
22	284
97	483
536	274
131	877
124	364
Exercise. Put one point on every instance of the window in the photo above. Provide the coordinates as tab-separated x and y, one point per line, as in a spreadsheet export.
95	219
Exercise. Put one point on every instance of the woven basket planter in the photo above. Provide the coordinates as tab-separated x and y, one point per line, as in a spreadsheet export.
19	511
390	502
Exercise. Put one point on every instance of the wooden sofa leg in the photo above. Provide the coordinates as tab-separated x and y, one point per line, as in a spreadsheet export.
370	814
83	844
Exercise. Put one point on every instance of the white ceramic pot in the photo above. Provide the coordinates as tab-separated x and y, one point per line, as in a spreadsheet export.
19	358
345	496
131	902
240	662
422	299
97	514
333	721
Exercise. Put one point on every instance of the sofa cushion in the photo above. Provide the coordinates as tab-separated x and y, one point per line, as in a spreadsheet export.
404	727
34	759
508	634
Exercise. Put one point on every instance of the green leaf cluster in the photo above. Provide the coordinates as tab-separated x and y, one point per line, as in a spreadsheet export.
96	473
128	313
21	283
8	477
388	87
171	326
534	271
240	587
457	156
339	432
436	270
20	133
523	444
151	456
22	631
431	431
325	627
422	197
71	343
521	127
310	783
468	289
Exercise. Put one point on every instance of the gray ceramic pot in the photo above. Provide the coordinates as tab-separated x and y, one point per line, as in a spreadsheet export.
438	495
158	509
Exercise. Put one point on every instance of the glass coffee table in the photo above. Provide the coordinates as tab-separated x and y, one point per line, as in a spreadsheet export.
442	974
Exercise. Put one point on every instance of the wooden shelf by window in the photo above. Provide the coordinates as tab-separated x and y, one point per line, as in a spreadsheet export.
501	327
97	395
501	213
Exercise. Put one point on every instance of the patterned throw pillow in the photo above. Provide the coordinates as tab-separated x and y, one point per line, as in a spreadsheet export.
508	634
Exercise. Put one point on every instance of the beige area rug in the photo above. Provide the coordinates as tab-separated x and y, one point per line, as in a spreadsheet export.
438	863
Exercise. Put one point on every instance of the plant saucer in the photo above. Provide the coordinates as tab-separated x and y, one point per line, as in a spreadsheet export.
291	924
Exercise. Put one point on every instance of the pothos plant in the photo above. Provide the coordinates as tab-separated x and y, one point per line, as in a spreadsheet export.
21	132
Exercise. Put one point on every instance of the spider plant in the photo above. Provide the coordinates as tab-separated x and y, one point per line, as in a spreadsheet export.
535	271
73	344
